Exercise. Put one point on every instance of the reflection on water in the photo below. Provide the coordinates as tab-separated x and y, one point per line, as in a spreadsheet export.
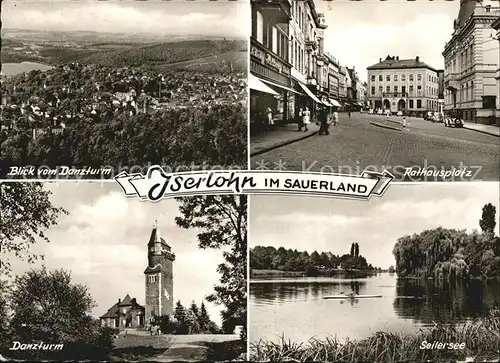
281	291
456	302
296	307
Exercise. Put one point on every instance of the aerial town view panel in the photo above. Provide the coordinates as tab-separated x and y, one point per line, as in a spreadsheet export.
411	87
90	89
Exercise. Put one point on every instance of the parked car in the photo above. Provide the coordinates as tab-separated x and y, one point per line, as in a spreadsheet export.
400	113
370	111
454	121
380	112
438	117
428	116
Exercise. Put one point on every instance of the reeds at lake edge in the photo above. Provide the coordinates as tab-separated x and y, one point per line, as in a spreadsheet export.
481	338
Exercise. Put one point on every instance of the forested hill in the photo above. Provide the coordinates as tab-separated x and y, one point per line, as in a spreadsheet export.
116	54
165	53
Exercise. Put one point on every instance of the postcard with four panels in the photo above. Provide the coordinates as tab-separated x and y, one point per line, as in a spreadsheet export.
250	181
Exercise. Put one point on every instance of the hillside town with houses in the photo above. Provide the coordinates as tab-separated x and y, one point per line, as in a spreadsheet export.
52	100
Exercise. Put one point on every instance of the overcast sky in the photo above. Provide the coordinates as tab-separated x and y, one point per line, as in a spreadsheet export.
166	17
322	224
361	32
103	242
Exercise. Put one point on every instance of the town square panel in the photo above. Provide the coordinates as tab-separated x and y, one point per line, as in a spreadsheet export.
411	87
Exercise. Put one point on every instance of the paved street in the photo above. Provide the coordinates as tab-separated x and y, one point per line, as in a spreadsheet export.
357	144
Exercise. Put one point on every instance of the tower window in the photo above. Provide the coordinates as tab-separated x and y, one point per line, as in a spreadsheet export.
153	278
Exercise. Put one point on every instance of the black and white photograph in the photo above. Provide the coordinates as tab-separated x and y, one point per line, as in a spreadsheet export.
92	88
88	274
411	87
410	277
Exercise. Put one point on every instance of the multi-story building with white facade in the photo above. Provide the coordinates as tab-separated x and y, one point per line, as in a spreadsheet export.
471	62
408	85
496	26
333	76
333	80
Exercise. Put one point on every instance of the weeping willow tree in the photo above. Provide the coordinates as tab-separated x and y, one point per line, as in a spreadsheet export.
447	254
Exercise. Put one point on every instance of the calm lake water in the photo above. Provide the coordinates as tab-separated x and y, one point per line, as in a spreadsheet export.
296	308
11	69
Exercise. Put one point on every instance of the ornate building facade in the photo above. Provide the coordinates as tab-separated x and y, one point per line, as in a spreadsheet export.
289	67
496	26
270	69
471	62
408	85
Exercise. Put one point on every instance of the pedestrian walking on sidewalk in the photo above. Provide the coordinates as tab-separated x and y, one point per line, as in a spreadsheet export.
349	114
323	119
299	119
335	118
306	118
404	121
269	115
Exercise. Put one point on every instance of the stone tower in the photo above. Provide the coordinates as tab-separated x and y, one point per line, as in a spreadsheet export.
159	277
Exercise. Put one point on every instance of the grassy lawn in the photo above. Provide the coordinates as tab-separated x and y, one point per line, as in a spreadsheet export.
166	348
481	338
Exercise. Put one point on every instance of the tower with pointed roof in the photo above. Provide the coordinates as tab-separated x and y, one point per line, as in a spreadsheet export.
159	278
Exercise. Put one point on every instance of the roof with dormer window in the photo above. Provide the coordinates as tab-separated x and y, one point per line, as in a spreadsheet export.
114	311
396	63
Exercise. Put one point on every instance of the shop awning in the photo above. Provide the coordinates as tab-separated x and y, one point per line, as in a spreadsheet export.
361	104
257	85
280	86
326	103
309	93
335	103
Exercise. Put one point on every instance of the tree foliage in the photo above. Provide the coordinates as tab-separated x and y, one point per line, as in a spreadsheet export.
173	138
270	258
47	307
27	213
448	254
488	218
451	254
194	320
222	224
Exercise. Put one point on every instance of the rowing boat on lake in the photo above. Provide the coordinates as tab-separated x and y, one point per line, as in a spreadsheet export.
337	297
